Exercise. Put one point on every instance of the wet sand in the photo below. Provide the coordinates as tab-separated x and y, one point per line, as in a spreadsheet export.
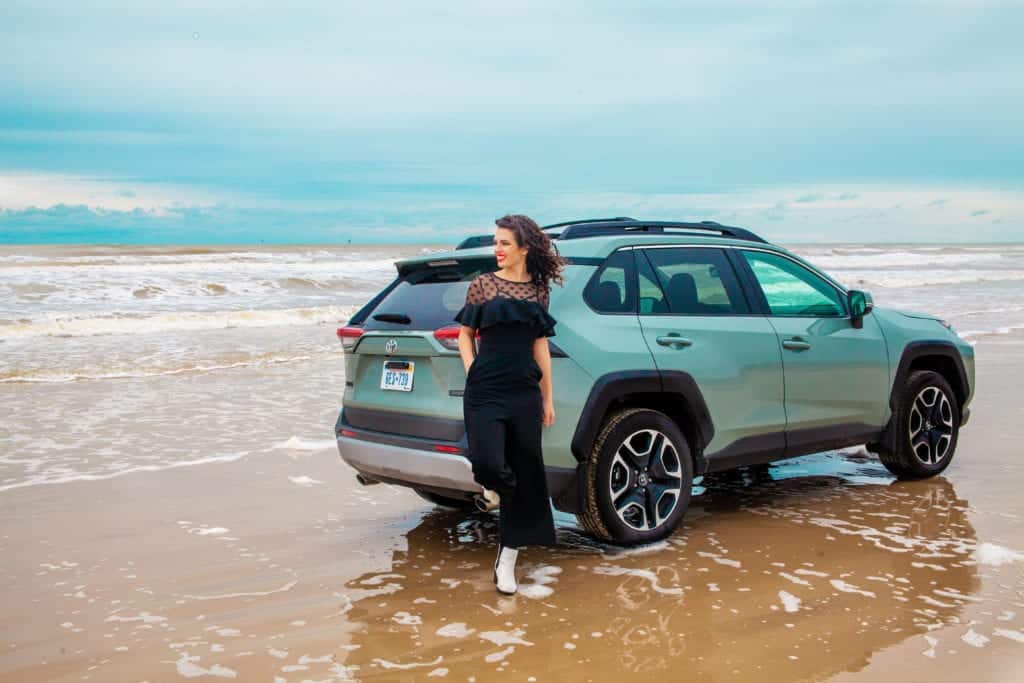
274	564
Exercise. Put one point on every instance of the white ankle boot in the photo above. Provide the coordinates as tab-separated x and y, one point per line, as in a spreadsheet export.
505	570
487	500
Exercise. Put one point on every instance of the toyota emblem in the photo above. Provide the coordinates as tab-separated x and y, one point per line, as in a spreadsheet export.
391	345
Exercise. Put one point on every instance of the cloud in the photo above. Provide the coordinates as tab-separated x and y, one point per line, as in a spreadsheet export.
879	213
809	198
26	190
381	114
65	223
451	214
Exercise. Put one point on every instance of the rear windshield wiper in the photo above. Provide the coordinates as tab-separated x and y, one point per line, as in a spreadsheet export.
400	318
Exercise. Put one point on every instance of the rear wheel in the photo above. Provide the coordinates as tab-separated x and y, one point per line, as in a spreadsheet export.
639	476
445	501
926	423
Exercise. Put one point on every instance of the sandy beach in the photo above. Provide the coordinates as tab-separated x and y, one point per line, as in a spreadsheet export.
173	506
278	565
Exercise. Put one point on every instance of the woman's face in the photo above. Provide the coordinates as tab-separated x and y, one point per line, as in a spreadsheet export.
509	254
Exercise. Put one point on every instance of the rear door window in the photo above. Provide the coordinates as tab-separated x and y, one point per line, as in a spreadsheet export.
695	282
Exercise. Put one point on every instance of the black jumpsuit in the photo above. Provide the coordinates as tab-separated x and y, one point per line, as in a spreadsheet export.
503	406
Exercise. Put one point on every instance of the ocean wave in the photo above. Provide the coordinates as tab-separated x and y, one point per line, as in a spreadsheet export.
115	323
57	375
921	278
297	443
349	265
904	259
62	477
998	332
304	284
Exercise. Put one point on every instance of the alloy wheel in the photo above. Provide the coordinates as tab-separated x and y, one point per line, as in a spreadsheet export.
931	425
646	479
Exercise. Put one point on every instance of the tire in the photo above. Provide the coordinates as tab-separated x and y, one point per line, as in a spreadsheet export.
926	424
615	506
445	501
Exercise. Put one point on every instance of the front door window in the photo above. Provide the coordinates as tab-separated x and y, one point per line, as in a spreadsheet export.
791	289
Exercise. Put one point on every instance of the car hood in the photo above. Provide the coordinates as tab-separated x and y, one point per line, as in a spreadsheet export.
916	314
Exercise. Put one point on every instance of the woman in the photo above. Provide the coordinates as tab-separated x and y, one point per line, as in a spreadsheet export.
508	393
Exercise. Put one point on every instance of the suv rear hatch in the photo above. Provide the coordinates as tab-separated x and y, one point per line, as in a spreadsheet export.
403	372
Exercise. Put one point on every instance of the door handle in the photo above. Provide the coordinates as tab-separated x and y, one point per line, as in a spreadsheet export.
674	340
795	344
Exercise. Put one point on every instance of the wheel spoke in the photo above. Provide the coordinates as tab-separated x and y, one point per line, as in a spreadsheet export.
620	479
915	419
921	406
922	441
633	496
654	452
658	496
932	393
651	510
666	472
638	459
945	413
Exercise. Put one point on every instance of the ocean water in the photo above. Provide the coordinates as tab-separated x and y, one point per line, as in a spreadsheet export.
85	312
106	351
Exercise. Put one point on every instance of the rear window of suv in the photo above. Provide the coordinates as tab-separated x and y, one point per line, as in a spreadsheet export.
425	299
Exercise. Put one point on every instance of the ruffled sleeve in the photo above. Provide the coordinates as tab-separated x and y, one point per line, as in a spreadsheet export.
547	323
472	312
484	308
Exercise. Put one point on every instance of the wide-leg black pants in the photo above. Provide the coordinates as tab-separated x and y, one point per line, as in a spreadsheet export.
503	427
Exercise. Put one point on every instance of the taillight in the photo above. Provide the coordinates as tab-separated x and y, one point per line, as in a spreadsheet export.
349	336
449	336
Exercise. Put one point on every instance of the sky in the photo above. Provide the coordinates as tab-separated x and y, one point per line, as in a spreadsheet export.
245	122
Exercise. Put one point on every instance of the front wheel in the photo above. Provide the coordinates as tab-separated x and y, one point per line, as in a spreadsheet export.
926	424
639	477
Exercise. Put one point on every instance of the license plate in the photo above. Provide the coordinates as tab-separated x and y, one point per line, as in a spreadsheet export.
397	375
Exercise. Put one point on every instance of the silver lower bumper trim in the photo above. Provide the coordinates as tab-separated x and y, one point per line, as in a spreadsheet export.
409	465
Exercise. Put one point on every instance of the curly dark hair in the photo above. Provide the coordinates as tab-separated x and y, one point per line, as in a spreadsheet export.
543	262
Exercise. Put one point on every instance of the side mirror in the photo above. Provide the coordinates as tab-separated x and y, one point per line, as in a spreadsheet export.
860	305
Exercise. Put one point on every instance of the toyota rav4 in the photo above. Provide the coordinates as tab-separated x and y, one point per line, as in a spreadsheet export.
681	349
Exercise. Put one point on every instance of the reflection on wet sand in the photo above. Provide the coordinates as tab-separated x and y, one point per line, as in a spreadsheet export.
793	572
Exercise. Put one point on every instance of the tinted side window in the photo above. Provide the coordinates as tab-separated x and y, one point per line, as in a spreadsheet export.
613	288
652	298
697	281
791	289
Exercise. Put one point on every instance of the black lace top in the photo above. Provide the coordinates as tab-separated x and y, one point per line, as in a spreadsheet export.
492	299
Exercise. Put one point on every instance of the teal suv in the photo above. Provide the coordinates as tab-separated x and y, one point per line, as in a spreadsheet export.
681	349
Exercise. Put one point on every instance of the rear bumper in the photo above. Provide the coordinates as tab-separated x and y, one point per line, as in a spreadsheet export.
444	473
408	466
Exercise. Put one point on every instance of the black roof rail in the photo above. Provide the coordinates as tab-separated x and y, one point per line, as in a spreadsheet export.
487	240
586	221
619	227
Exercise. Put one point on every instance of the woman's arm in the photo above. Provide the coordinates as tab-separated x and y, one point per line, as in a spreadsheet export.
470	313
542	354
467	347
